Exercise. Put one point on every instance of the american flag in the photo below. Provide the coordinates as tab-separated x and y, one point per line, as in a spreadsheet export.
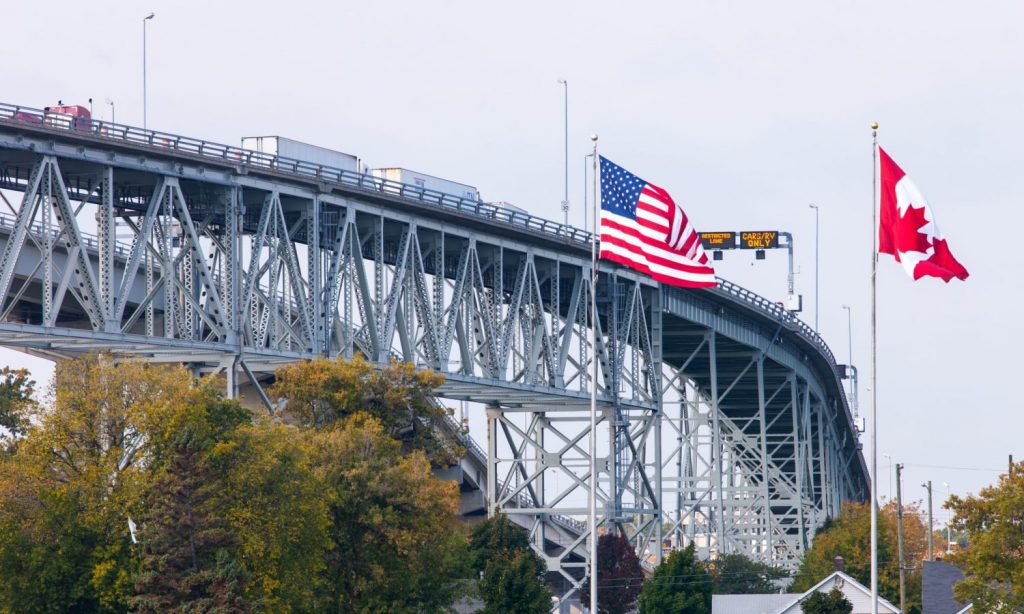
644	229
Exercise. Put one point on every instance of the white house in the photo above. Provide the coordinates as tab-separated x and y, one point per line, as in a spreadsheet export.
789	603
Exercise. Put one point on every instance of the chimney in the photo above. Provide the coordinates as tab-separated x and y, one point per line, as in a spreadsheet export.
840	563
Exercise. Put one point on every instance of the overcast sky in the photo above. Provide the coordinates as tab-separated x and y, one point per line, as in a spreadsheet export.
745	111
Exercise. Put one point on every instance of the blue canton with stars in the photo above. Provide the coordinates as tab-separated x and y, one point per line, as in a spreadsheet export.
620	189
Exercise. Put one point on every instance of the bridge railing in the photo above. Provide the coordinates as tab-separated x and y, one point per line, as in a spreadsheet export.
237	155
365	181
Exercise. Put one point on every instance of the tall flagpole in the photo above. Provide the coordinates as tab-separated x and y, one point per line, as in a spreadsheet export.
874	368
593	394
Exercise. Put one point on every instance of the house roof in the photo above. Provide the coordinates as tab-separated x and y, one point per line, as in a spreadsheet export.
859	596
789	603
937	580
759	603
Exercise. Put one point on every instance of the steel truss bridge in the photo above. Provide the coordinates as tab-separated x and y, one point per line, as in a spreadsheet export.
722	418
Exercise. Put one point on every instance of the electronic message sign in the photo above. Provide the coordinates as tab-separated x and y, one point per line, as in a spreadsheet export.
759	239
718	240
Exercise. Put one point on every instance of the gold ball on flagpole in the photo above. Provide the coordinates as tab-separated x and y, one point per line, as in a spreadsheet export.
874	125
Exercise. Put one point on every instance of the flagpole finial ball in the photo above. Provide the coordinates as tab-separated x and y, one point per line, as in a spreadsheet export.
593	137
874	125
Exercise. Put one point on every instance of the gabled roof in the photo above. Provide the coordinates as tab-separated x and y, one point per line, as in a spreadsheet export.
860	596
789	603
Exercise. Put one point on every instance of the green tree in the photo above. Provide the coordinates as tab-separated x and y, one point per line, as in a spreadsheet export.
513	583
619	577
319	393
739	574
186	565
513	575
992	562
16	405
832	602
494	536
681	584
395	546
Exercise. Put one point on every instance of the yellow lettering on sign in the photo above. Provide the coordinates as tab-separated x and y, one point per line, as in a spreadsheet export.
759	239
718	239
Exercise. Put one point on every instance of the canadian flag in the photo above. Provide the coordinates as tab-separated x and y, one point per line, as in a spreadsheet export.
907	228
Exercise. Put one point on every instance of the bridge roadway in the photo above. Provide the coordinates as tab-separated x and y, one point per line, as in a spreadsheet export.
723	419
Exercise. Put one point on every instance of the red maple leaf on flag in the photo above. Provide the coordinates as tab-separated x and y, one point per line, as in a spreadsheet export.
908	236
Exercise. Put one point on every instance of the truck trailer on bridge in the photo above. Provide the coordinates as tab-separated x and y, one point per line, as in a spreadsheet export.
304	152
427	182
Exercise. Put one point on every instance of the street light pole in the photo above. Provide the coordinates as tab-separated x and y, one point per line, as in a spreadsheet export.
815	207
889	471
949	532
565	199
111	103
145	121
931	545
849	330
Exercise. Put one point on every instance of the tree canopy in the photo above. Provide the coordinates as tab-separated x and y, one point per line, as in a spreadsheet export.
739	574
232	511
320	393
619	576
680	584
849	536
992	562
832	602
511	574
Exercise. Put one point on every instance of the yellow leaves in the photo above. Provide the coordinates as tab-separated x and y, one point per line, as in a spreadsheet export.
322	392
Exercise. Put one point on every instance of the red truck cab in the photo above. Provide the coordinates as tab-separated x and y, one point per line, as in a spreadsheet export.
71	116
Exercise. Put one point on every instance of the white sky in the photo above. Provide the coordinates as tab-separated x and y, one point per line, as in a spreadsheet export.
745	111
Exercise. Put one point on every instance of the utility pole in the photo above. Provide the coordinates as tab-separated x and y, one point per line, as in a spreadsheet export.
931	530
899	536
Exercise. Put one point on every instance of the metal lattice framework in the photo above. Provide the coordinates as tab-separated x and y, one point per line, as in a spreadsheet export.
722	418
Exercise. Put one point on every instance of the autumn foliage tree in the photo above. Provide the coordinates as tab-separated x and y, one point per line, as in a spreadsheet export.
992	562
849	536
619	576
320	393
394	545
233	510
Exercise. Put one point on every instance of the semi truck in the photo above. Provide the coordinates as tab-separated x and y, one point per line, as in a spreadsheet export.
427	182
280	146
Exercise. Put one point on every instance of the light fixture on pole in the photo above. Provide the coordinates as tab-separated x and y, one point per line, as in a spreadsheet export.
815	207
145	119
565	199
111	103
